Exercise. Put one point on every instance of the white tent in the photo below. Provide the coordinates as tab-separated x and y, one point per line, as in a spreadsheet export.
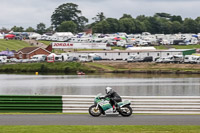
63	34
34	36
1	36
141	48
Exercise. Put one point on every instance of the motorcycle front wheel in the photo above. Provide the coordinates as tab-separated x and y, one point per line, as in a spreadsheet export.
126	111
95	112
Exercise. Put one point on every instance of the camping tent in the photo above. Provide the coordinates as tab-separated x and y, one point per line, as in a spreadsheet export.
1	36
7	53
34	36
10	36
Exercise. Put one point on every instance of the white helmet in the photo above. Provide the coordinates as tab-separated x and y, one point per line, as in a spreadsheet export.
108	90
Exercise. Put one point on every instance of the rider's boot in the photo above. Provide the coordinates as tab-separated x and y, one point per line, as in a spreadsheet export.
114	109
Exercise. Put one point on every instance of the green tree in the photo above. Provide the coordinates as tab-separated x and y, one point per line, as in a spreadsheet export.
198	24
162	15
126	16
99	17
165	26
68	12
50	29
190	26
3	29
30	29
67	26
176	18
17	29
176	27
101	27
113	25
41	28
127	25
148	27
141	18
155	25
139	26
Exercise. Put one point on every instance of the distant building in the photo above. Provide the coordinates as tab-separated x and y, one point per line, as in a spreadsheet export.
124	54
28	52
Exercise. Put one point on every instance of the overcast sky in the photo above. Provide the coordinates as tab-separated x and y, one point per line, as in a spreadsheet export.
27	13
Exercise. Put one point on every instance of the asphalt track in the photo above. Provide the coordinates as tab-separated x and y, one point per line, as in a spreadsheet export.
66	119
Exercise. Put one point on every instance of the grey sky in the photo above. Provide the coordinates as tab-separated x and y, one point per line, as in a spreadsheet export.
31	12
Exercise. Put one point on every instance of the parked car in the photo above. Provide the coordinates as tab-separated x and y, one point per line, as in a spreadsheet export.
13	59
3	59
188	58
38	58
86	58
173	59
72	58
133	58
159	60
25	60
194	59
146	59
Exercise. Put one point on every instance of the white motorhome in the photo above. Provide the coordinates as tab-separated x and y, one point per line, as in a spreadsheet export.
38	58
188	58
133	58
174	59
65	56
86	58
194	59
54	58
3	59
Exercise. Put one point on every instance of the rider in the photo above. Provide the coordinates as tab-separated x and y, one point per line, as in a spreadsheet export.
114	98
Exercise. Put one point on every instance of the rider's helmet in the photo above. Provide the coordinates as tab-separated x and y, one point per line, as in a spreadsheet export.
108	90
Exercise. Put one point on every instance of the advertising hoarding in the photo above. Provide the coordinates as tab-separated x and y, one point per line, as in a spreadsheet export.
68	45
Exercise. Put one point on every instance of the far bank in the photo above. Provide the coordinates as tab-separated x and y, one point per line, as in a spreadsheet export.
100	67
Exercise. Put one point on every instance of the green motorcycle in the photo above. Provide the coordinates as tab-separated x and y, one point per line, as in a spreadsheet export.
103	106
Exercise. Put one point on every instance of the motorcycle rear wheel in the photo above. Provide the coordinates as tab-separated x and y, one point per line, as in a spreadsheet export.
126	111
95	112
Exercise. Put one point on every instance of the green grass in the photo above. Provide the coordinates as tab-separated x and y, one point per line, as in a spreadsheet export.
46	42
115	47
100	66
99	129
12	44
178	46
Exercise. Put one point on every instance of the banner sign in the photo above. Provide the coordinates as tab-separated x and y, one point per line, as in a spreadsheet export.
68	45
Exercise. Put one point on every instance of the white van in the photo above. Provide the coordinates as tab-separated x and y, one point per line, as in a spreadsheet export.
188	58
86	58
3	59
38	58
173	59
133	58
194	59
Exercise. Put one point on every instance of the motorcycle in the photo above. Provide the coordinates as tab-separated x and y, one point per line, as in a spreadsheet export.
103	106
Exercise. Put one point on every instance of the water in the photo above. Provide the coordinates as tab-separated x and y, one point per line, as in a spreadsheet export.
124	84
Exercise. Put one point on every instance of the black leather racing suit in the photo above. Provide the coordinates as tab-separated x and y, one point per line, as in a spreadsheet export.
114	98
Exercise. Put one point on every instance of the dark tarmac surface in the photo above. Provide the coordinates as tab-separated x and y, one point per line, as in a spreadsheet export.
66	119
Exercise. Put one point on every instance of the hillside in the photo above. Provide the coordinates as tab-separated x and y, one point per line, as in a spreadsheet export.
12	44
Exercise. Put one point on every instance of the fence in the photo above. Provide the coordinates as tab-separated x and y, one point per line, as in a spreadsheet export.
140	104
33	104
80	104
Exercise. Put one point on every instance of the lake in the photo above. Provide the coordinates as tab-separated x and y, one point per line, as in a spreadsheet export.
124	84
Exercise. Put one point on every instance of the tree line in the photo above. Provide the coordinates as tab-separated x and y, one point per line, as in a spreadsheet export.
68	18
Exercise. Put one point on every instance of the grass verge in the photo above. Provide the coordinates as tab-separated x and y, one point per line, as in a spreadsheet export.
58	67
12	44
99	129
